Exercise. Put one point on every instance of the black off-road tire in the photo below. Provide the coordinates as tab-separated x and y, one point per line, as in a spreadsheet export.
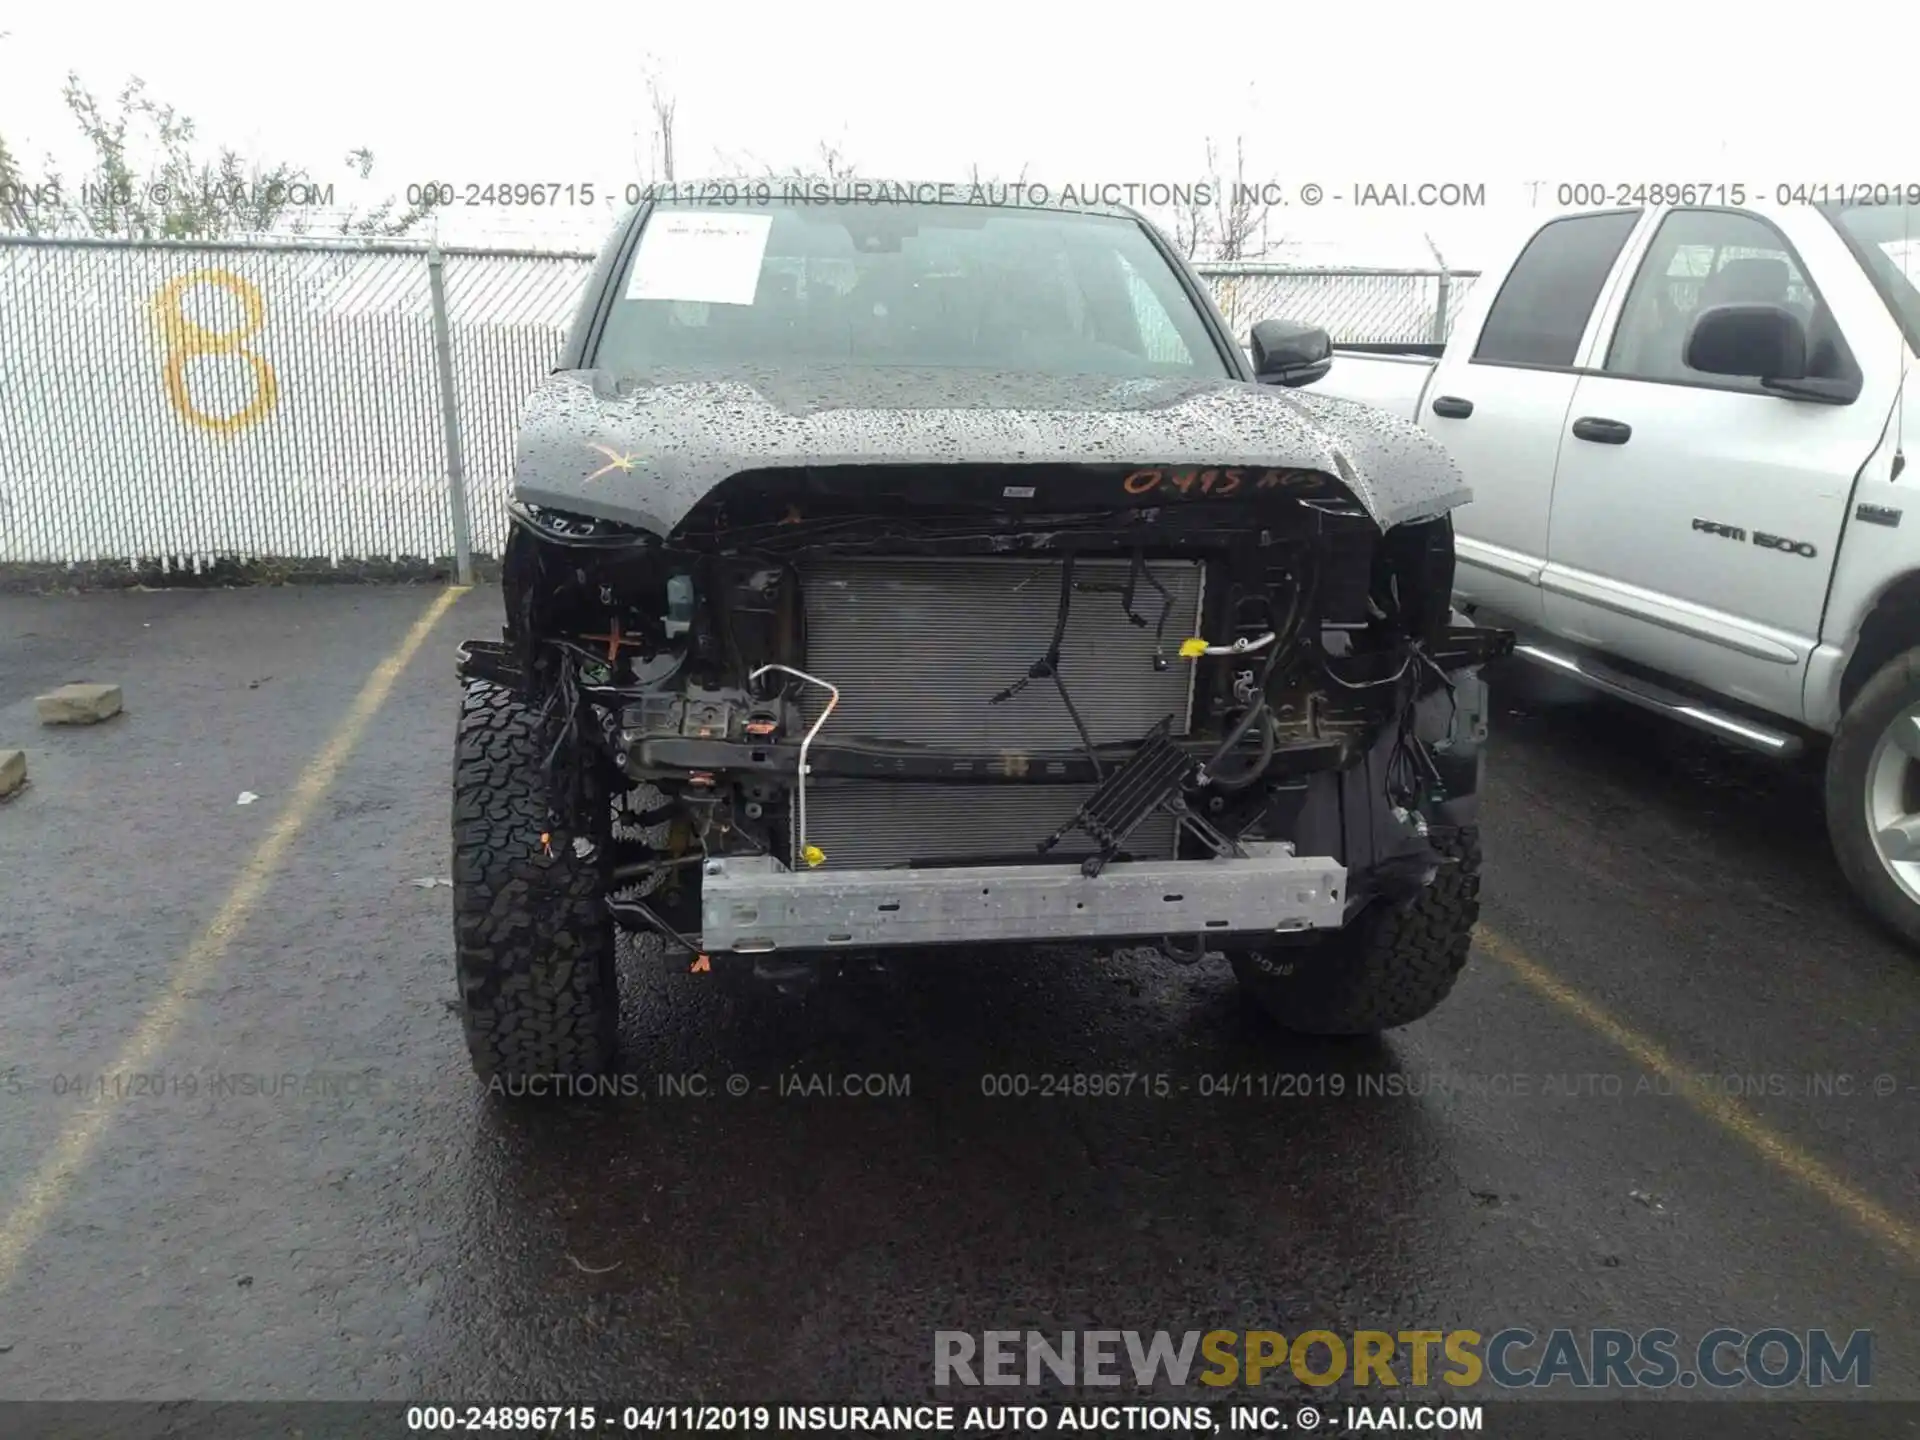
533	940
1390	967
1894	690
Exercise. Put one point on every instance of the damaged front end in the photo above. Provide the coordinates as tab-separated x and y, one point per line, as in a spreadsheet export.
876	706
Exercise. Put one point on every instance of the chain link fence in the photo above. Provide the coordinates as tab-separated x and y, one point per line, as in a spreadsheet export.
1355	307
169	406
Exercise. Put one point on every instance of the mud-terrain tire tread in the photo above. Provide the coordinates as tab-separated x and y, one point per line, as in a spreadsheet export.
1894	687
538	992
1390	967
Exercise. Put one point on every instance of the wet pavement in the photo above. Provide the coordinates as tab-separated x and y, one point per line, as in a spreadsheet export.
300	1192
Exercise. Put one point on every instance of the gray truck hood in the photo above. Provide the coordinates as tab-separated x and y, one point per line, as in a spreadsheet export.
645	451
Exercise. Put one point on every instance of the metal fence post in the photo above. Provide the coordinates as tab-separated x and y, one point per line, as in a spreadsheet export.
1445	290
450	417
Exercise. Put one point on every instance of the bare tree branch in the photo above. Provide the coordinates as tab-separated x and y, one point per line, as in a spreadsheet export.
1224	219
381	219
984	184
149	180
659	163
833	159
1238	223
662	102
16	209
663	115
1192	226
833	165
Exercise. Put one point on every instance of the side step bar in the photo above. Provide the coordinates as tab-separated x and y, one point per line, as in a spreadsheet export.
1738	729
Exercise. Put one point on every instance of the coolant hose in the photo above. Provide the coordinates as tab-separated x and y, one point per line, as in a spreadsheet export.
1269	736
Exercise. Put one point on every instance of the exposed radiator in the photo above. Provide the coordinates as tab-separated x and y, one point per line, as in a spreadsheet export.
919	646
864	824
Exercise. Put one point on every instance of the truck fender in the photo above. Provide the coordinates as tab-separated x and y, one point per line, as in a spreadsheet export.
1891	627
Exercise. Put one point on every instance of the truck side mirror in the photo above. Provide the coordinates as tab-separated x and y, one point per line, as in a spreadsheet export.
1290	354
1764	342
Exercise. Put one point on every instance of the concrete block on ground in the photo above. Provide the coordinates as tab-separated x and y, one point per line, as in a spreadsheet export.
78	704
13	771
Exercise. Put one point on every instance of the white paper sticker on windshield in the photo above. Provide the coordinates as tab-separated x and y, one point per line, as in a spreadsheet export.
699	255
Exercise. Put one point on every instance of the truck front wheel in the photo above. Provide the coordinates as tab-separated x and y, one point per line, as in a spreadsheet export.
533	939
1873	795
1390	967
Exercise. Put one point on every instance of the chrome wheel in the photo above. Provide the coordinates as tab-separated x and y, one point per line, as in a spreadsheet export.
1893	800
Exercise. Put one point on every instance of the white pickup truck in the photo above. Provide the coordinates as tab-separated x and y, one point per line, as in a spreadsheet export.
1684	431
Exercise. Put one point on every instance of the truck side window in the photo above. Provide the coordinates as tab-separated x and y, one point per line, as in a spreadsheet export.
1701	258
1542	309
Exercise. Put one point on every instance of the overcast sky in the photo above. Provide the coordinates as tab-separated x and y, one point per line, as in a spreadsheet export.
1335	94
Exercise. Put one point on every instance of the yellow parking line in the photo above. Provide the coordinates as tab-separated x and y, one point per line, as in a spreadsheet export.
49	1183
1869	1214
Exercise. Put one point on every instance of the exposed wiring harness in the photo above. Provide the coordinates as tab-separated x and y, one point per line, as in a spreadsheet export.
1277	641
566	784
1126	592
1047	667
1410	755
1406	664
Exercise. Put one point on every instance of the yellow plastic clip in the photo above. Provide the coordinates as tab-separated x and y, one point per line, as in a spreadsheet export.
1192	649
814	855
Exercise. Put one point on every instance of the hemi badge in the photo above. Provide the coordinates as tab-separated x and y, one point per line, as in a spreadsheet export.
1878	515
1018	492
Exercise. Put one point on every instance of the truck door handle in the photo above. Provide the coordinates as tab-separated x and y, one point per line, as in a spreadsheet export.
1452	406
1602	432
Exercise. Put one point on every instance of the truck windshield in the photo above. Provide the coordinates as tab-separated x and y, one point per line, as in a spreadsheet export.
902	284
1888	244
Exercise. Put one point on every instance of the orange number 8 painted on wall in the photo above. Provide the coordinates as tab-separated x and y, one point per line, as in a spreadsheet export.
185	339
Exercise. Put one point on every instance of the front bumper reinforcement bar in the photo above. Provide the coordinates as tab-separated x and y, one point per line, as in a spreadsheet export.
754	904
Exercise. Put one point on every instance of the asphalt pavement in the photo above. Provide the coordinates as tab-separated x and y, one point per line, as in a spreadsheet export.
242	1155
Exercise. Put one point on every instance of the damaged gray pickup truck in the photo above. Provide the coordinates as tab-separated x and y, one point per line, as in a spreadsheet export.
885	575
